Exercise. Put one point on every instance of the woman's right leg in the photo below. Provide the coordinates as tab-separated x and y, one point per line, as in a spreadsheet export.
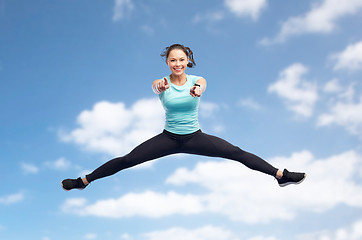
208	145
156	147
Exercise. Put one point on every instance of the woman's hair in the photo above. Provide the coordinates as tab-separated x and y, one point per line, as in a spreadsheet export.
186	50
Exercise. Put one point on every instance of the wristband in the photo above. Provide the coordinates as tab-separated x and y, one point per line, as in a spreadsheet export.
198	85
155	88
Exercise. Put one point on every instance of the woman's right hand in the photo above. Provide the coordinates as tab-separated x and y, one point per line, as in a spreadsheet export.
163	85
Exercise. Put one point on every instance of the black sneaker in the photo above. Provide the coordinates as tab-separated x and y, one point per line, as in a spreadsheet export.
291	178
69	184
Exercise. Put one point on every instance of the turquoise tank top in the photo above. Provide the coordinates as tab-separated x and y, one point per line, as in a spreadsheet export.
180	107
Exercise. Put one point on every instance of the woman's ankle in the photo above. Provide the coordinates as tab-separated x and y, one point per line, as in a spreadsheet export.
279	174
85	181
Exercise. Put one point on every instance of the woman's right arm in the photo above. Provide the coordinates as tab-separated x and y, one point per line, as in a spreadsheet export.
160	85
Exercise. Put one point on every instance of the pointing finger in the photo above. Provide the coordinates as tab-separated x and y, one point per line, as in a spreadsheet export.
166	84
165	80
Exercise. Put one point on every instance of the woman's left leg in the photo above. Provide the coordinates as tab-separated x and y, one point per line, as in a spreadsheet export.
208	145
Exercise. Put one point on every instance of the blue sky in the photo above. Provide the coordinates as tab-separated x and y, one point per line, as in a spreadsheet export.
284	82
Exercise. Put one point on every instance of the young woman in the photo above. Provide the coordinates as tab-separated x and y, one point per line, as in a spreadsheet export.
180	96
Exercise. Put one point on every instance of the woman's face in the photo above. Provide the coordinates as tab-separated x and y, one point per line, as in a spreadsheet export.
177	61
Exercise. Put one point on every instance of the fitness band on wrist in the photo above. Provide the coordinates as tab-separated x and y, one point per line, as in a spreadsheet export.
198	85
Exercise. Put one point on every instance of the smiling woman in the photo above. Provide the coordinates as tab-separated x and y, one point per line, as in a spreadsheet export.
186	50
180	95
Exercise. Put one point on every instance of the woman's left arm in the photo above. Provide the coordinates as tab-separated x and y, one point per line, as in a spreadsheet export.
198	88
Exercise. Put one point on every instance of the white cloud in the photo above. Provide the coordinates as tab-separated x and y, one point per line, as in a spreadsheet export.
345	113
207	109
248	8
229	183
240	8
210	111
209	16
126	236
59	164
332	179
203	233
300	95
11	199
322	18
241	194
73	203
114	129
344	108
121	9
262	238
249	103
147	29
29	168
134	204
353	232
262	200
350	58
90	236
207	232
218	128
332	86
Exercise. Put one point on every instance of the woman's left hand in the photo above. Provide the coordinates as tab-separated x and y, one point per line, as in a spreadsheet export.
195	91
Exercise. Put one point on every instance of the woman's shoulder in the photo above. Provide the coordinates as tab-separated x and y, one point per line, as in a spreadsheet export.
194	78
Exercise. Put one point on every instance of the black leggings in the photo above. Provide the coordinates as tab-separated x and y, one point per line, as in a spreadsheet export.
167	143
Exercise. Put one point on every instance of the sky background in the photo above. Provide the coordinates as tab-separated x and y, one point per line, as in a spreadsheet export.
284	82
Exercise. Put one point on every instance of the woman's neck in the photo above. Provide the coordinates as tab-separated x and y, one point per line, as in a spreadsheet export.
178	80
